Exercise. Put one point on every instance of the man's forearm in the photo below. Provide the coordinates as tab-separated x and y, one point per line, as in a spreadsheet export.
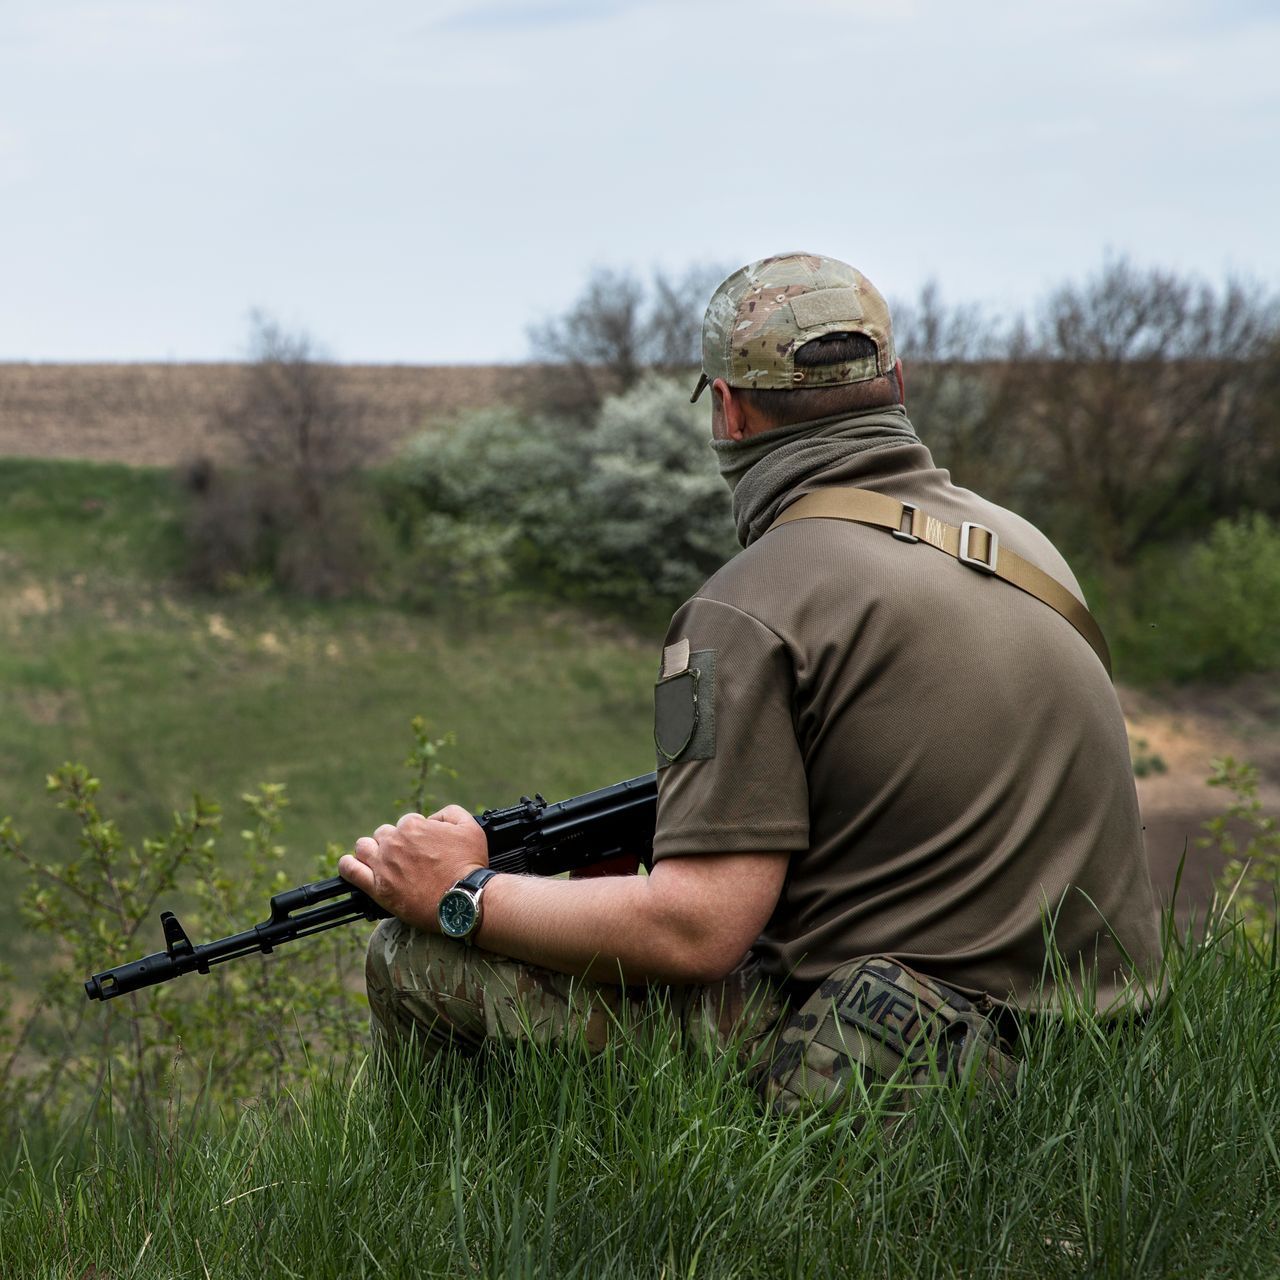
610	929
690	920
674	925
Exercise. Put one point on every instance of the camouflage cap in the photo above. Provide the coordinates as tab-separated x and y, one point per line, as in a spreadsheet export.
762	313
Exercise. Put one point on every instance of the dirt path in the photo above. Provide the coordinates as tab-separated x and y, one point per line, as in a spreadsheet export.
1186	729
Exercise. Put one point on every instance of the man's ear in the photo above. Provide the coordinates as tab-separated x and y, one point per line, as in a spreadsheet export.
902	382
731	410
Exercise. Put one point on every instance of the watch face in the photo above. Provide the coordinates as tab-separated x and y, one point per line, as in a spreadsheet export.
457	913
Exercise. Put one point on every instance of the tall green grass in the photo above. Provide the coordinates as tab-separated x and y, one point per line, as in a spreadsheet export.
1144	1151
1151	1150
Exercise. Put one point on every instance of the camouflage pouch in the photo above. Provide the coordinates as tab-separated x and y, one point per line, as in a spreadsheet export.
886	1023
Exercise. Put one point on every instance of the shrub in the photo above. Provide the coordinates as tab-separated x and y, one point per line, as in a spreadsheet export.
246	1029
1208	612
627	510
658	519
1249	884
1146	763
256	526
444	558
288	509
96	910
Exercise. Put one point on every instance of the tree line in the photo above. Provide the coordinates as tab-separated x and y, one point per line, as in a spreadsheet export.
1128	409
1131	415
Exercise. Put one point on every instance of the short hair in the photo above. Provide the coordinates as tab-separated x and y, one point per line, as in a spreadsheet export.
784	407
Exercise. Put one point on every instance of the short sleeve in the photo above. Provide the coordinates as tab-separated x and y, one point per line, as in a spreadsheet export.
739	786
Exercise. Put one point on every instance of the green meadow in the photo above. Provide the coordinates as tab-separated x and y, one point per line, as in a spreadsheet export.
1144	1150
106	659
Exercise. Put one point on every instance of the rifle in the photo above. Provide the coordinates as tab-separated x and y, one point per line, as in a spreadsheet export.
605	832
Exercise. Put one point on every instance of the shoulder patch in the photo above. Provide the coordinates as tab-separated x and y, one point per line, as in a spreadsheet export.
684	711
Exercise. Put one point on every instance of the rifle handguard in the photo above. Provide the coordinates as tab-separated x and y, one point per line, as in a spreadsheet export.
596	830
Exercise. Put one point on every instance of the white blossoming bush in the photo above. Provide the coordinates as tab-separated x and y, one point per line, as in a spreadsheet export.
629	509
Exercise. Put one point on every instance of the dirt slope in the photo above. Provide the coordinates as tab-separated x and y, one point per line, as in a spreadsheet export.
1187	728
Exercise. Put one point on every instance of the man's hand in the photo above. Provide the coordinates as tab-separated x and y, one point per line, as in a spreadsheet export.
408	868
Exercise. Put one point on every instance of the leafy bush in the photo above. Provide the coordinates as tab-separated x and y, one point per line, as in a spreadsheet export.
446	558
1249	884
97	910
1206	613
1146	762
628	510
246	1029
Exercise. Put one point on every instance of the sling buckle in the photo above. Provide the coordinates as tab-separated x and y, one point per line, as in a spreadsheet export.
974	562
906	523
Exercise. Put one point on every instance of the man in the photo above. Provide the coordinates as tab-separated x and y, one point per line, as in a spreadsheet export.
884	730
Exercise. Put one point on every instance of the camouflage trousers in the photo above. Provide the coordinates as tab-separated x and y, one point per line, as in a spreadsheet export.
874	1021
446	995
870	1022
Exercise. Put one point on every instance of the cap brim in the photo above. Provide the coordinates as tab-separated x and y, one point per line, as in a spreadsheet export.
703	383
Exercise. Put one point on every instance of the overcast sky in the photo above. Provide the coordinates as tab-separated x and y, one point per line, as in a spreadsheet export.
417	180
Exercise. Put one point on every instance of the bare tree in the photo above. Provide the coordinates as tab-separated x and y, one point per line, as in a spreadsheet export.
930	331
290	416
616	330
285	508
956	380
1153	398
673	329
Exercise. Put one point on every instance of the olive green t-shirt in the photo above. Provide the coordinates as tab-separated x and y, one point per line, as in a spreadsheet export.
942	755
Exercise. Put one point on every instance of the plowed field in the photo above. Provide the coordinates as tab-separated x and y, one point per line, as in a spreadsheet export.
161	414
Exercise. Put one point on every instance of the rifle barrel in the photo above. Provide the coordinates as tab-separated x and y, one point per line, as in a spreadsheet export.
283	925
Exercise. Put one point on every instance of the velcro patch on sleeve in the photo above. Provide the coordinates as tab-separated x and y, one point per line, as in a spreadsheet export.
684	711
675	658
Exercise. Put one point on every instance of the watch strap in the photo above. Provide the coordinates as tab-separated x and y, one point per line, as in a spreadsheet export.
477	879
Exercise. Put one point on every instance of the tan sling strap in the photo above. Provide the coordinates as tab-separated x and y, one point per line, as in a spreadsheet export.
972	544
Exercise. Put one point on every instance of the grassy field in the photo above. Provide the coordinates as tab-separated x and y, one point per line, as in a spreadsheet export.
1144	1151
104	659
1148	1151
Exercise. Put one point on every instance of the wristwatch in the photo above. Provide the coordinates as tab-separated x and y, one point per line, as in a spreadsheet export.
460	911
